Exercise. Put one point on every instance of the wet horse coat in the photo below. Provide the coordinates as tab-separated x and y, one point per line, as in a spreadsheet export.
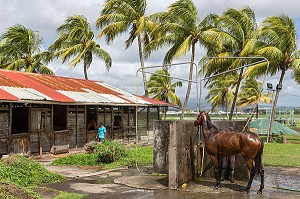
221	143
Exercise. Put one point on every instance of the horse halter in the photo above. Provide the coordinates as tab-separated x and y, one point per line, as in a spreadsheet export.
199	119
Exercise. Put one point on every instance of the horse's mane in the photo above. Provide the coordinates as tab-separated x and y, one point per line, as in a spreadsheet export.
210	124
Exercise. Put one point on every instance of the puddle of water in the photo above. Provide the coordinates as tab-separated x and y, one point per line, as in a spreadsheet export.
98	181
286	182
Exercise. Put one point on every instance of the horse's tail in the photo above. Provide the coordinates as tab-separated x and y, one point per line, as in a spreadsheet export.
258	159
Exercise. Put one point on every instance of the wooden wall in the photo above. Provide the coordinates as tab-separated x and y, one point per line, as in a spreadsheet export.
146	119
4	129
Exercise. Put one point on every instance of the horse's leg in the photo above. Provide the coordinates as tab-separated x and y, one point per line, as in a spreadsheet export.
262	179
215	163
258	166
251	169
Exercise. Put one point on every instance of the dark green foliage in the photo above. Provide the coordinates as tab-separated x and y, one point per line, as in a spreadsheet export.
25	172
110	151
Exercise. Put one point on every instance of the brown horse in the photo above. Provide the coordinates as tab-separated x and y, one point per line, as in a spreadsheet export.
220	143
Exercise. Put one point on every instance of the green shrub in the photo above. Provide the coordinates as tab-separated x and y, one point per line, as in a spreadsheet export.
26	172
110	151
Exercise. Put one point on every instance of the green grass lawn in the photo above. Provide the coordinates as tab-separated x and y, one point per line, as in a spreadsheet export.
287	155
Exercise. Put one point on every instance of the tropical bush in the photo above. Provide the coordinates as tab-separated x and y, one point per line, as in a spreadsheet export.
110	151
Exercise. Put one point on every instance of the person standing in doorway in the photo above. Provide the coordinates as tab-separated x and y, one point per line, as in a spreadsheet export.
101	133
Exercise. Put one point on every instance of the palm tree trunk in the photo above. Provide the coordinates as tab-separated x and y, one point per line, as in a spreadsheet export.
85	69
227	111
236	94
274	105
257	111
190	81
249	120
165	112
142	65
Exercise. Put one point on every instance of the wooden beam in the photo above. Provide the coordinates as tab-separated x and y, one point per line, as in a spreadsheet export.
51	125
9	143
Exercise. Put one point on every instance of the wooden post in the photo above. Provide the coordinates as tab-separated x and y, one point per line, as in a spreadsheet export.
76	121
51	125
148	110
40	144
10	129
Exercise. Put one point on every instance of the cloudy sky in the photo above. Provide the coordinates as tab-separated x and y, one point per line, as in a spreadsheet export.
46	15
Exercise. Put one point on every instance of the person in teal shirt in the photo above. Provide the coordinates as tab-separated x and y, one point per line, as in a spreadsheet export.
101	133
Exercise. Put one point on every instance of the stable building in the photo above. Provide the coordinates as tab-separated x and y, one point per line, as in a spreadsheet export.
43	113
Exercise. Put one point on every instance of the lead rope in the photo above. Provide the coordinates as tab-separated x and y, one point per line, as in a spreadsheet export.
201	145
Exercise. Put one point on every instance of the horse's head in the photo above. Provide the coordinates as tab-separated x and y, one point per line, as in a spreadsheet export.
201	117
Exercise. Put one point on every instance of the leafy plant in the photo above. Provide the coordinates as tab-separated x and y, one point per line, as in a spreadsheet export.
110	151
25	172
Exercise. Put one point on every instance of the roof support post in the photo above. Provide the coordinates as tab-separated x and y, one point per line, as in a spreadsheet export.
9	143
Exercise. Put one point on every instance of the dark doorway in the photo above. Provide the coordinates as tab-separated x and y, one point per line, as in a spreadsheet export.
19	119
91	118
59	118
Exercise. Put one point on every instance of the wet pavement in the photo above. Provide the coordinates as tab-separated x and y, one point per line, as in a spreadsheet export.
283	183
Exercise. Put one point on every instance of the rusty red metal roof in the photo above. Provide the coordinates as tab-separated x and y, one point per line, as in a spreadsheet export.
7	96
18	86
26	81
154	101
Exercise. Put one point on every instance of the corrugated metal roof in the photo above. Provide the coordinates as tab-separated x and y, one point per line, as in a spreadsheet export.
16	86
4	95
25	93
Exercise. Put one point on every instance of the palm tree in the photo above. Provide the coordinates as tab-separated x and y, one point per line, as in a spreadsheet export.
21	50
76	41
181	31
237	33
220	94
161	88
250	94
119	16
278	37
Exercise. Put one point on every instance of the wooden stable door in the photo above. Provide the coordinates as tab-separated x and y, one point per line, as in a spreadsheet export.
40	130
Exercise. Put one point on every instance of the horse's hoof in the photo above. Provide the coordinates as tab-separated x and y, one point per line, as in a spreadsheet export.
259	192
247	191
